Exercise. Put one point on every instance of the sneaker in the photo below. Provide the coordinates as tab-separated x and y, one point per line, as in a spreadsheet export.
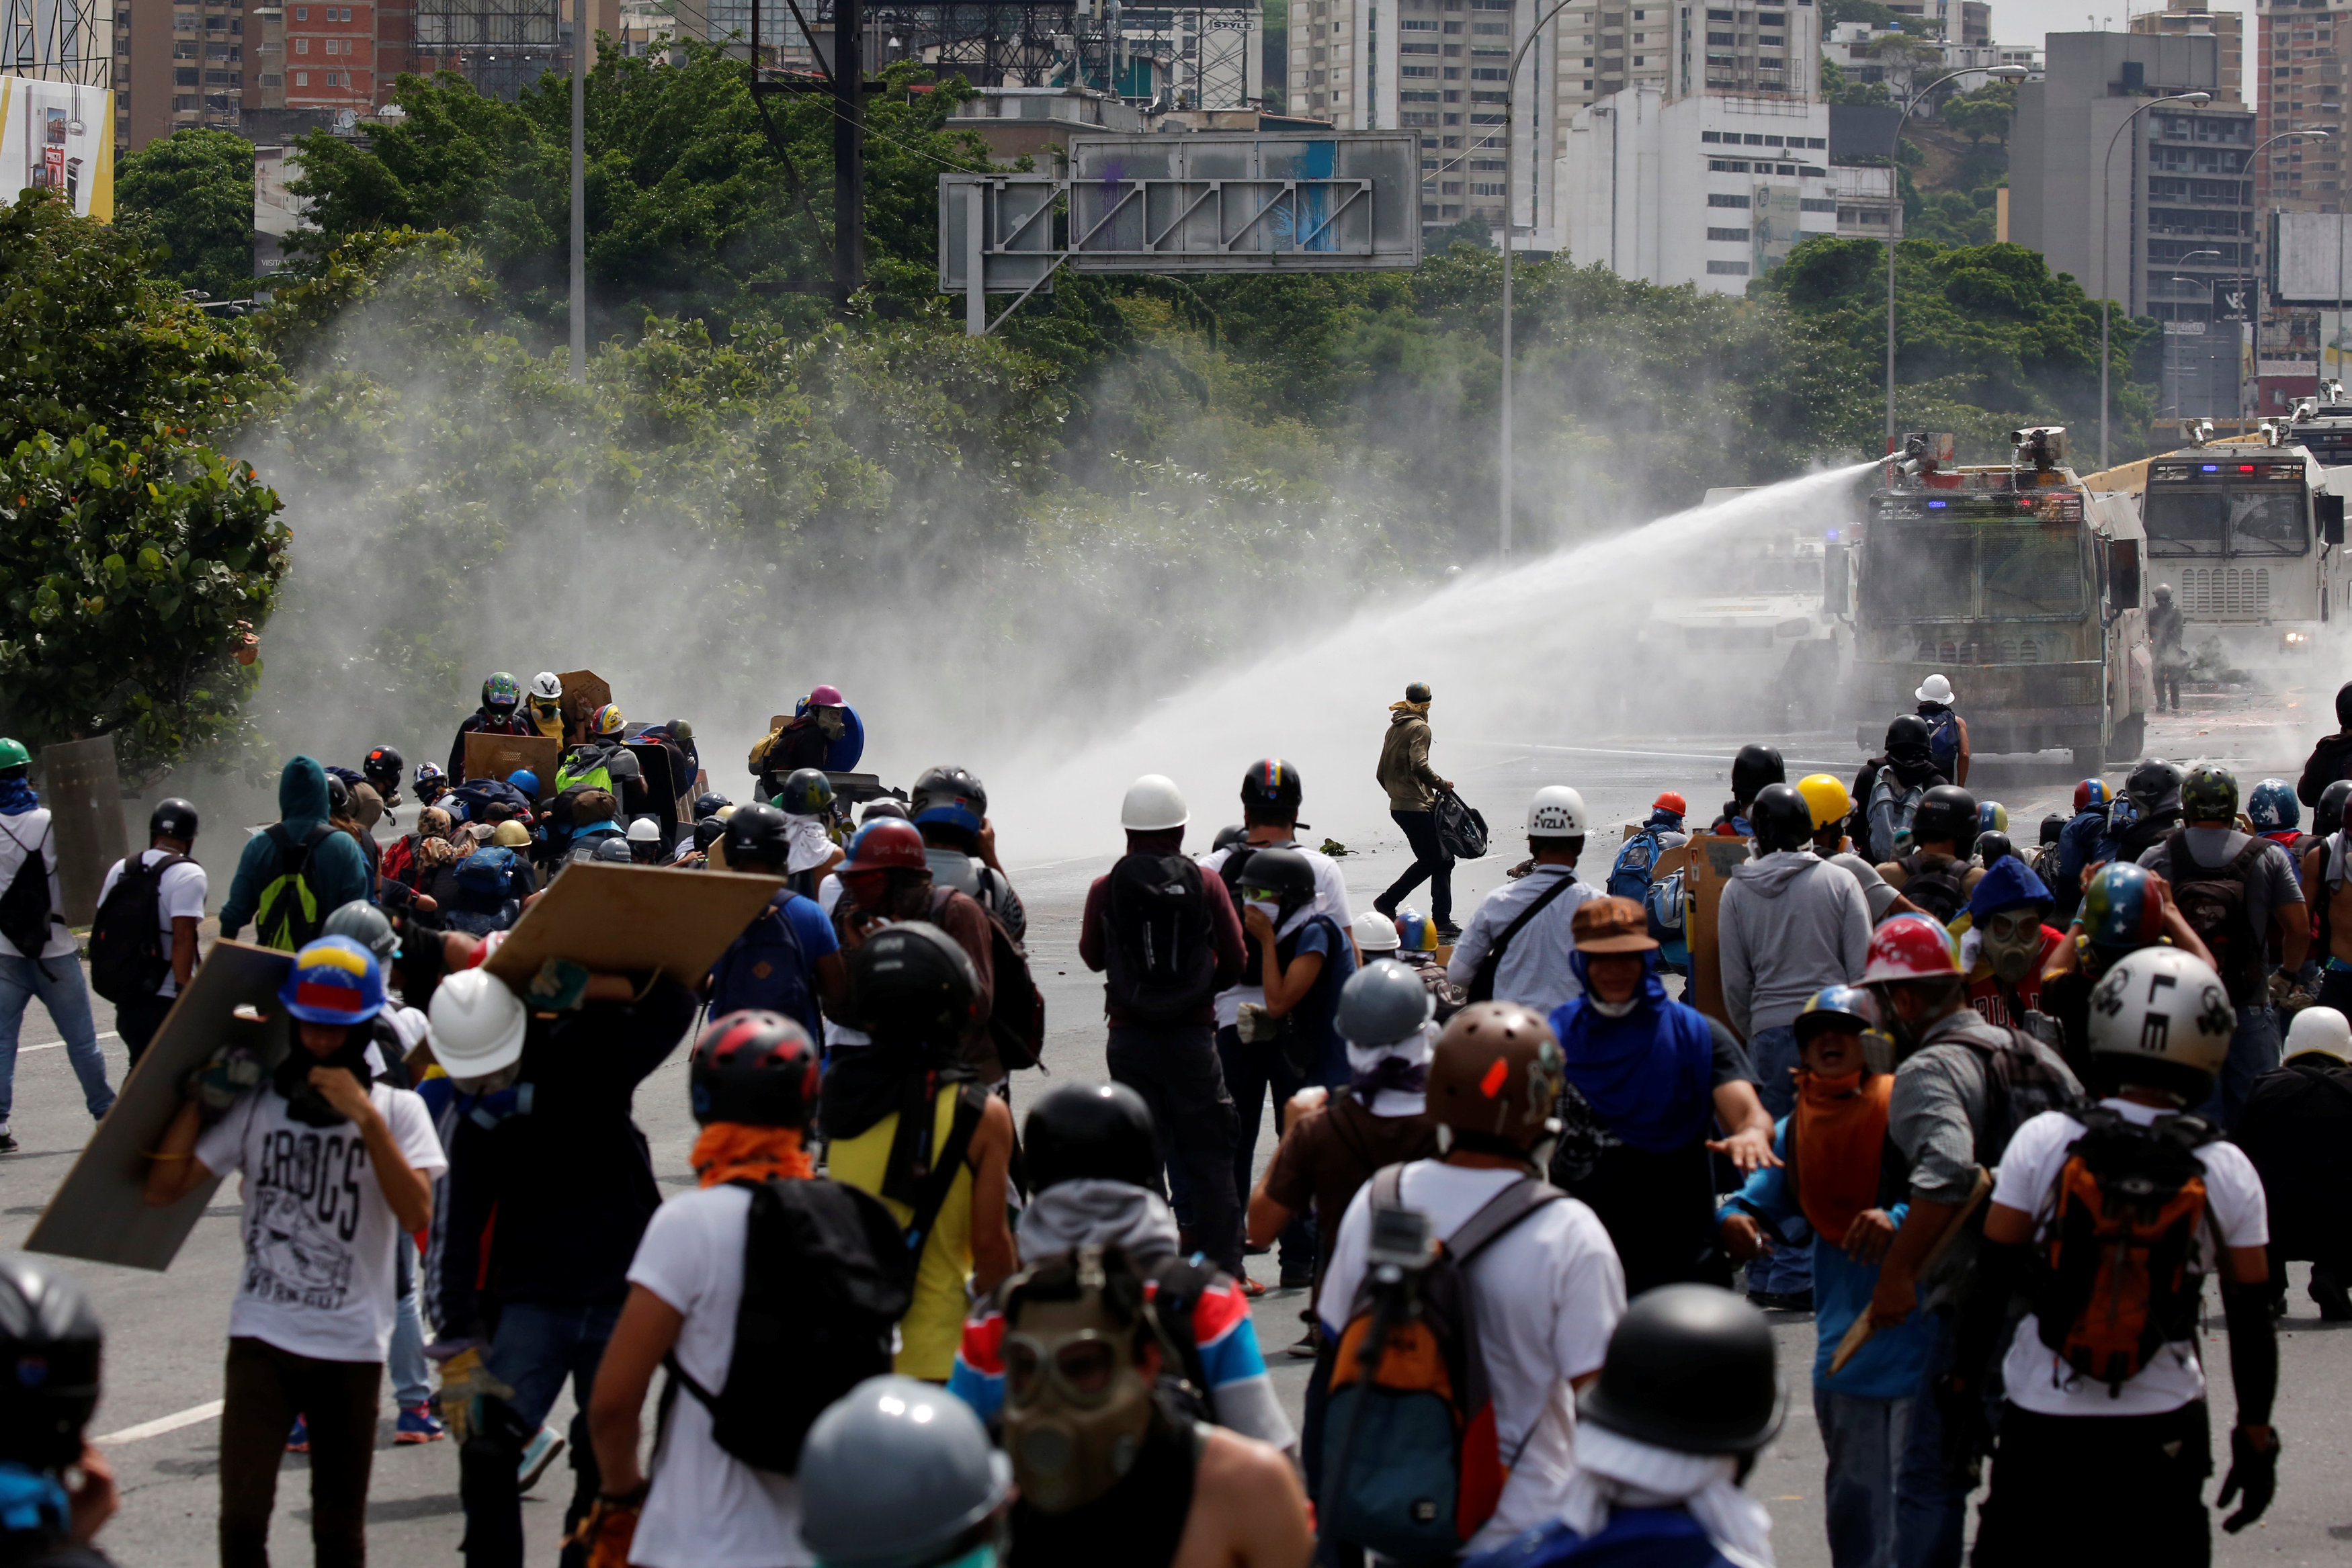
1307	1346
418	1424
1782	1301
1385	907
1448	931
7	1143
298	1441
537	1454
1252	1289
1295	1278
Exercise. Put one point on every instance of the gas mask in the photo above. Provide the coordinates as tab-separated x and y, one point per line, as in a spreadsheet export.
1076	1407
2011	940
830	724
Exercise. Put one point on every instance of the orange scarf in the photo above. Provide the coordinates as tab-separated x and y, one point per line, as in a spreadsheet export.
729	1151
1837	1135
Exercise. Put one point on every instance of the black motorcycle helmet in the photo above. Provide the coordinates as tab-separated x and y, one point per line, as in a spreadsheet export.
951	798
339	797
912	984
173	819
2327	816
1098	1130
1285	873
1907	736
1947	813
2052	826
1689	1368
1780	819
709	804
1755	767
381	767
1230	837
757	1068
1271	789
50	1344
1994	846
757	835
706	832
2151	784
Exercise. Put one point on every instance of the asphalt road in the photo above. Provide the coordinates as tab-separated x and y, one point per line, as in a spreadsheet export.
166	1332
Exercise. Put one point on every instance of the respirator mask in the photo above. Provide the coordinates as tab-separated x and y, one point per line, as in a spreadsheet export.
2011	941
1076	1407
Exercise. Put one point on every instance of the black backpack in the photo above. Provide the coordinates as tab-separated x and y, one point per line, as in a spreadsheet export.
24	912
826	1276
1936	889
1460	830
2213	899
1161	961
127	959
1016	1008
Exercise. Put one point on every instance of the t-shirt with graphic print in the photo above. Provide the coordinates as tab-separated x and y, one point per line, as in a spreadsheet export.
319	1233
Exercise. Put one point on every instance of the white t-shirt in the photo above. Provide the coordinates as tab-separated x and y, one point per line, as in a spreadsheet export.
181	894
20	835
1535	969
319	1235
1547	1295
1330	898
708	1509
2035	1377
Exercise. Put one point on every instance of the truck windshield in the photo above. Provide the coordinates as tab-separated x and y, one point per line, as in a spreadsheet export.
1960	572
2237	519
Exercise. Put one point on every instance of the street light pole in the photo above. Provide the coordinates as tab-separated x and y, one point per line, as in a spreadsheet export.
1893	187
579	189
2244	170
2106	203
1510	84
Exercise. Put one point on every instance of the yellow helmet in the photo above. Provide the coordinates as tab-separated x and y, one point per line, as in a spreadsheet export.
512	835
607	720
1827	796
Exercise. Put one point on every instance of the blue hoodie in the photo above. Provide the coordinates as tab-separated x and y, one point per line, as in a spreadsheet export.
339	870
2009	883
1649	1075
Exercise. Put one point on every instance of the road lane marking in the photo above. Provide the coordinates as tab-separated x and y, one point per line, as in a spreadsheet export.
163	1424
53	1044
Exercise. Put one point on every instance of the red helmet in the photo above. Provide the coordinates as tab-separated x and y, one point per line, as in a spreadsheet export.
1671	801
759	1068
1911	948
827	697
887	844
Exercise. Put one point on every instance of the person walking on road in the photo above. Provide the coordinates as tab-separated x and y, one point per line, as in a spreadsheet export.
1947	732
2164	627
169	890
1412	786
36	950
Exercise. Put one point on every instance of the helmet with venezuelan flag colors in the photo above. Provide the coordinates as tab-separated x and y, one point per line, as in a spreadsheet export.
1271	784
334	980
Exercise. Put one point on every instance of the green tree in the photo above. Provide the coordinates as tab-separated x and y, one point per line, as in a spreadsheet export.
1839	89
1985	114
140	556
191	196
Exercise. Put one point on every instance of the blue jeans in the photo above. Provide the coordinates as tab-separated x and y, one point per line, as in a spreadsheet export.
2255	1047
1930	1512
533	1349
1865	1438
412	1379
58	982
1788	1269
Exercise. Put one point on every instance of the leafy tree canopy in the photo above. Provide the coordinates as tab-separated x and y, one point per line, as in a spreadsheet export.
191	196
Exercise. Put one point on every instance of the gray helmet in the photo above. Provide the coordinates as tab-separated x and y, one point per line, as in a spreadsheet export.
1383	1002
364	924
899	1474
613	848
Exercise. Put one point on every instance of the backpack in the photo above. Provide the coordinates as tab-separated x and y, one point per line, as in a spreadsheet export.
1901	802
2020	1084
127	959
1482	984
767	969
1461	829
1944	741
24	913
2115	1281
1016	1010
2213	899
286	915
588	766
1161	956
478	795
489	873
1936	889
1629	876
826	1280
1412	1466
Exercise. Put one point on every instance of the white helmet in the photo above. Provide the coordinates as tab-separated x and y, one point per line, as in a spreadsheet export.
1556	812
645	830
475	1025
2322	1031
1153	804
1934	689
2160	1004
545	686
1375	932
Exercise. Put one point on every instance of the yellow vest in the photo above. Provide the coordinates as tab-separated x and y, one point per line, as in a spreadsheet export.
933	1326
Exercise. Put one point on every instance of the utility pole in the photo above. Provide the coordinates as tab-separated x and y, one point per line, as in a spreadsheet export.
579	189
848	149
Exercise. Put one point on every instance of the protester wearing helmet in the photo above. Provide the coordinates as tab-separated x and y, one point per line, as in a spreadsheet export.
895	1475
2103	1380
34	938
1629	874
312	1318
1754	767
2331	759
886	878
381	768
1094	1167
1947	732
1416	948
914	996
2275	814
1518	946
1891	785
498	715
1494	1082
2007	946
823	733
788	959
544	705
2150	809
168	890
59	1486
1412	787
601	763
1788	925
1937	876
2078	844
2296	1127
2245	895
2165	626
950	807
1655	1075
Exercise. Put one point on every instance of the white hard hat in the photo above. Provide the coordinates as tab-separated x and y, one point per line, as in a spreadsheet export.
645	830
545	686
476	1024
1556	812
1934	689
2159	1004
2321	1030
1375	932
1153	804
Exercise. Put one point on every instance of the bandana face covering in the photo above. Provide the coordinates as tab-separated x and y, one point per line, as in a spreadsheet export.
292	1078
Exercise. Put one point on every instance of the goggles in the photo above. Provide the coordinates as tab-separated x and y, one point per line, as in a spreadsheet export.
1084	1365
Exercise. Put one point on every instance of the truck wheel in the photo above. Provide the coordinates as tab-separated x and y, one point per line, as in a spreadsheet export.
2131	737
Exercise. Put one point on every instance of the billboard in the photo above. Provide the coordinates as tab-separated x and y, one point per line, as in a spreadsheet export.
2311	258
58	136
1217	201
2233	298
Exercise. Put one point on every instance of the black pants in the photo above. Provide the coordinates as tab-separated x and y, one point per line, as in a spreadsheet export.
1430	862
2071	1490
136	1021
1252	1073
264	1389
2167	687
1174	1068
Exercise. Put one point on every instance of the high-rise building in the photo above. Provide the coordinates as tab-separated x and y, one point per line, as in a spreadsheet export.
2193	18
176	65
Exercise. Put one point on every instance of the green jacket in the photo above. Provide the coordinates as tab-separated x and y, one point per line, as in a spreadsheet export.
1404	771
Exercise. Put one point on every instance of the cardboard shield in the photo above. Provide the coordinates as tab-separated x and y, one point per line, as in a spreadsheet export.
497	756
584	692
1712	858
99	1213
84	795
656	762
626	919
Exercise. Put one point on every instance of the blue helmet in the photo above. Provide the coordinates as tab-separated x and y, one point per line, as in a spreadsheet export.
2092	793
2272	807
1992	817
949	796
524	779
2121	910
333	980
1835	1006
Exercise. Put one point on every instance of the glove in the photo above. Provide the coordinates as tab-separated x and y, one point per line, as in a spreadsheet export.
466	1382
609	1527
2252	1471
1968	1430
559	986
232	1072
